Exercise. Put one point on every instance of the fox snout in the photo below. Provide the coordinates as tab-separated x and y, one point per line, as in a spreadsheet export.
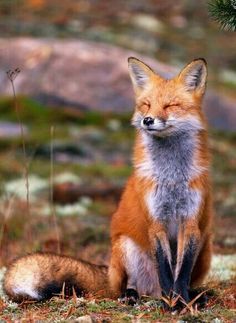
150	121
153	124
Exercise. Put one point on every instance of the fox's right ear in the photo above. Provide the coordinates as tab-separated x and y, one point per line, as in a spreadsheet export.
194	76
140	73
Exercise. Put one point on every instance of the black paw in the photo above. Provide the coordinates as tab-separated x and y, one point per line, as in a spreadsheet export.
165	306
129	297
182	292
173	302
187	297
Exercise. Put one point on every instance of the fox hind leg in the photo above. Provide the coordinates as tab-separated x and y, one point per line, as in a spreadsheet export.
129	297
199	272
140	271
202	264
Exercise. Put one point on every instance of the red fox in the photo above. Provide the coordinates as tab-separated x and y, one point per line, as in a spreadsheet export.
161	232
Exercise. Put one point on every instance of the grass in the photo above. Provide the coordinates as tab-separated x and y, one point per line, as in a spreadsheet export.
219	309
96	151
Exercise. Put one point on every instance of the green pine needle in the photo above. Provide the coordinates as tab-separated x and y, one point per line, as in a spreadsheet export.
224	12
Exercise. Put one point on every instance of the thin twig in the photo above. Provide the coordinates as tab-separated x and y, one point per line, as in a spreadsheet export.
52	206
12	74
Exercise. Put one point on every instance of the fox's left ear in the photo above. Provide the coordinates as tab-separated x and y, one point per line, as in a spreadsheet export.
194	76
141	74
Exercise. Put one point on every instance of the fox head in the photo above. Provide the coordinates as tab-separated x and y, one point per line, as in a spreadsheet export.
167	107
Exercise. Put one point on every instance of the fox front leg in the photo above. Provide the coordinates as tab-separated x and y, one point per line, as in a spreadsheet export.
162	255
187	252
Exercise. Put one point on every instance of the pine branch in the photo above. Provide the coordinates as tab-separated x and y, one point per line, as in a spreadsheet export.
224	12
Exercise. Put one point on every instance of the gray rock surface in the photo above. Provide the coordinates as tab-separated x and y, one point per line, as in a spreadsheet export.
87	75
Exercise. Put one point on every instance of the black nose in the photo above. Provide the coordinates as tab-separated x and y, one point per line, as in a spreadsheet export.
148	121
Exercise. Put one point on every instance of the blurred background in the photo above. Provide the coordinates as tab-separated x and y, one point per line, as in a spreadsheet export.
66	140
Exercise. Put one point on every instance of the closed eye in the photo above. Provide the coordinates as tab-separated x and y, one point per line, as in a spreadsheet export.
171	105
144	107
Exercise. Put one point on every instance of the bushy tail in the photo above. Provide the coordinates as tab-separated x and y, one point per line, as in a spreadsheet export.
40	276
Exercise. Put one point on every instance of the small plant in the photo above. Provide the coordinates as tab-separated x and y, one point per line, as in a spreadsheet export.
53	211
224	12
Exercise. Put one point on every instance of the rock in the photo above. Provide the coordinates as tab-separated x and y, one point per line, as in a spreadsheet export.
147	22
228	76
66	177
222	267
69	193
17	187
2	273
220	111
87	75
74	73
71	209
84	319
11	130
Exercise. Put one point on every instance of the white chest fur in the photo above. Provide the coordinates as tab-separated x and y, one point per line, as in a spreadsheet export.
170	163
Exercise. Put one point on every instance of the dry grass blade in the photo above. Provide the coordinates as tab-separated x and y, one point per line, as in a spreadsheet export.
63	290
190	304
197	297
74	295
166	300
171	301
53	212
26	302
70	311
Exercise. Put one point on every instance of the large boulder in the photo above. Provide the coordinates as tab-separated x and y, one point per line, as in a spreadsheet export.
87	75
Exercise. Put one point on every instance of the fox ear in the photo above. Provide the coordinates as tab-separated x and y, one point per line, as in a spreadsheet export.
140	73
194	76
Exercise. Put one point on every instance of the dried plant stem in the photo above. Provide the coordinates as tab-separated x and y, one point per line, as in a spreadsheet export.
12	74
25	162
52	206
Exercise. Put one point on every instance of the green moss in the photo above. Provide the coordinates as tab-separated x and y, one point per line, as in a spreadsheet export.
105	305
29	110
229	136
